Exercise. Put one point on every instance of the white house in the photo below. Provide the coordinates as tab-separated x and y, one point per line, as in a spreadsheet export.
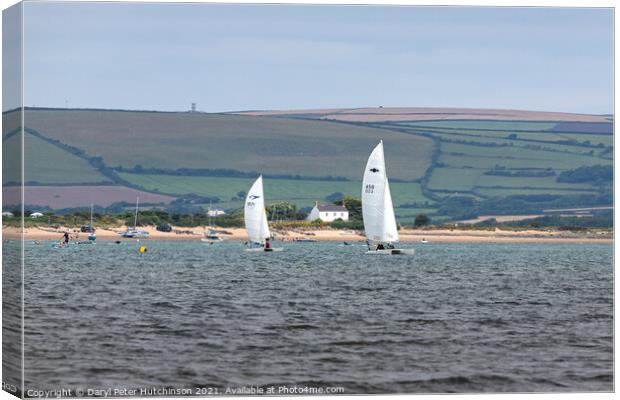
36	215
328	213
215	212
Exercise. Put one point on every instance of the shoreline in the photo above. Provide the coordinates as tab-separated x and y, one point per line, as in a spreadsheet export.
328	235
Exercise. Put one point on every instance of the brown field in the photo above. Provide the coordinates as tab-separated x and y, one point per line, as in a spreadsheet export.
78	196
380	114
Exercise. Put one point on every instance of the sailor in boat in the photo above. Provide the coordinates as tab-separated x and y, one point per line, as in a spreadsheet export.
388	246
267	244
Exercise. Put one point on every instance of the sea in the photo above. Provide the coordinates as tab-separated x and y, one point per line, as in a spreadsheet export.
189	318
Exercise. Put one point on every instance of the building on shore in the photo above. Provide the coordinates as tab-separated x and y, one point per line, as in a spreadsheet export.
328	213
215	212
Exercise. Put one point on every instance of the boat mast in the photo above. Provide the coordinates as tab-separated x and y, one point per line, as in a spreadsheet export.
135	218
91	216
209	214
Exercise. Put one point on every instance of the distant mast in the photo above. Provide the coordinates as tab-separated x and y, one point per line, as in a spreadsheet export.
135	218
91	235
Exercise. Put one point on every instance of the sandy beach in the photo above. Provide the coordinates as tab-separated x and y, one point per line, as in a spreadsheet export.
406	235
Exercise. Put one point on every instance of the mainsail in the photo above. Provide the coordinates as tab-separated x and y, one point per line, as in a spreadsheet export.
254	213
377	207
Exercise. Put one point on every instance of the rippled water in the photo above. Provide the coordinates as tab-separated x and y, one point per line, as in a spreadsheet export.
453	318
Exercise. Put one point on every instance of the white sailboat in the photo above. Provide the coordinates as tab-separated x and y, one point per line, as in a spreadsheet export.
135	233
210	236
256	219
377	207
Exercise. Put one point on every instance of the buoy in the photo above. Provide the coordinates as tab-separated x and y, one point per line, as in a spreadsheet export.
142	249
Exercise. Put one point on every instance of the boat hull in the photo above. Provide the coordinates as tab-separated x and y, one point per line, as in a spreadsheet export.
260	249
392	252
211	241
135	234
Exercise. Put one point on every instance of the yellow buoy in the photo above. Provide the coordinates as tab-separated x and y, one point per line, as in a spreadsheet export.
142	249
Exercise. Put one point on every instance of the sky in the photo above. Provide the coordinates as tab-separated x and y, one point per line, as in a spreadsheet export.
260	57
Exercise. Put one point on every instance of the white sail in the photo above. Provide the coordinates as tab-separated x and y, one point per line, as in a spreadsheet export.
254	213
389	220
377	207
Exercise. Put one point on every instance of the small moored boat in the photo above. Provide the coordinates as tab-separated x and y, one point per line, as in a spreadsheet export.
135	233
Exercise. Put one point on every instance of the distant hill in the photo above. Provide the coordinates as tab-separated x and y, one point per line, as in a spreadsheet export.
384	114
446	163
217	141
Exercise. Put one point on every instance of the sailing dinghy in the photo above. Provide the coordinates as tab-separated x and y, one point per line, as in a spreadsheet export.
256	218
377	207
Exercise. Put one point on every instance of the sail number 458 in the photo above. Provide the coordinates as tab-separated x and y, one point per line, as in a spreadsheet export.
370	188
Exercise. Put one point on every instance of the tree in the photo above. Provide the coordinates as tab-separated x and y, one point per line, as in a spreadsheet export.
335	197
282	210
354	206
421	220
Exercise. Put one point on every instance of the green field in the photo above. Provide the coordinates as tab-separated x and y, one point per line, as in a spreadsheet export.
46	163
11	121
11	159
476	157
606	140
469	149
482	124
547	182
519	145
216	141
489	192
303	193
456	179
